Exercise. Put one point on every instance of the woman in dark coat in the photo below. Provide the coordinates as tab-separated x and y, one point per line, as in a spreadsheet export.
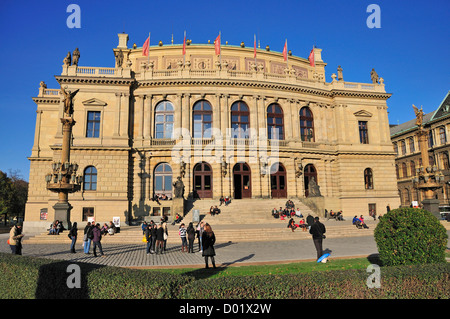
208	240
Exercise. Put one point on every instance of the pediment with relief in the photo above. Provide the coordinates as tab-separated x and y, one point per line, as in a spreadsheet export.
94	102
363	113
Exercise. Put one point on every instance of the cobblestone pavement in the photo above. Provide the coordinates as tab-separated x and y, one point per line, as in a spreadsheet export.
227	254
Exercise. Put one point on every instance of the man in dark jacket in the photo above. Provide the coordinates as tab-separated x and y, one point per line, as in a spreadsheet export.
317	231
96	240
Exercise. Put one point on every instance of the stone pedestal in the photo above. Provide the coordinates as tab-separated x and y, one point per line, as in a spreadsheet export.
432	205
62	213
178	206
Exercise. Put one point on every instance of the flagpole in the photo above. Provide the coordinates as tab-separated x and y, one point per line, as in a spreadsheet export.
220	49
148	49
184	54
254	45
287	56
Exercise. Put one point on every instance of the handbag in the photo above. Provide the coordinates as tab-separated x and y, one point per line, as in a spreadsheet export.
144	239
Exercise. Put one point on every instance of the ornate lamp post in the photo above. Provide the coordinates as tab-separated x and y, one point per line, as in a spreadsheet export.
64	179
429	178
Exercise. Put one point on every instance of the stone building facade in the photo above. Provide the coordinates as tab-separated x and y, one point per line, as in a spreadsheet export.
408	156
228	125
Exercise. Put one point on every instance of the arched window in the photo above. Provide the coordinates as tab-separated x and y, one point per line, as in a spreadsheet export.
412	147
368	178
164	120
397	171
275	122
240	120
442	135
90	178
445	160
202	119
306	125
163	179
404	170
403	147
413	168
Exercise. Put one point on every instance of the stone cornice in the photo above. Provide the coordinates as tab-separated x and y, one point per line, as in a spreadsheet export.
46	100
63	79
259	84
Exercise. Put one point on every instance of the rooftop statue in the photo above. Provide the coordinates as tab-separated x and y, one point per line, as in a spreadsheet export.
419	115
374	76
68	59
76	56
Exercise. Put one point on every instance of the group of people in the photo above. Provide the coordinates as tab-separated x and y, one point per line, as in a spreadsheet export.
224	200
55	228
214	210
156	237
337	216
158	197
92	235
206	240
108	229
359	222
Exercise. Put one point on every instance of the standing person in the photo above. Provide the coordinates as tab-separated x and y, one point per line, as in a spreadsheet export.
159	239
15	239
97	240
153	237
148	237
73	233
86	239
317	231
208	240
191	237
199	236
165	235
182	233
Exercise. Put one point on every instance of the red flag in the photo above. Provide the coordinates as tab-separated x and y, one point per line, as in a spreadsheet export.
146	47
311	58
254	48
285	51
184	44
217	45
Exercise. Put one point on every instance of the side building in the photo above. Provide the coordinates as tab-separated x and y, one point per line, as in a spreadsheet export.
408	154
231	125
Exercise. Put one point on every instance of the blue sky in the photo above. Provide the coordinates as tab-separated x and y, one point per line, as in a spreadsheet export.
410	50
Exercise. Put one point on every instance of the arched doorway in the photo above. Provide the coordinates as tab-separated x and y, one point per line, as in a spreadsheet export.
309	173
203	180
242	181
278	185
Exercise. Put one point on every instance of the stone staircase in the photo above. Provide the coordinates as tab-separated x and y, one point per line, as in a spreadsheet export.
242	221
243	211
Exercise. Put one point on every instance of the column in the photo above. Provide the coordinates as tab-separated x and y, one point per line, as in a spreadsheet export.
37	134
124	114
177	115
117	116
147	117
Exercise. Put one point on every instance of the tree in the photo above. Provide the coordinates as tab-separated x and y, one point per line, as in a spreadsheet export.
13	195
407	236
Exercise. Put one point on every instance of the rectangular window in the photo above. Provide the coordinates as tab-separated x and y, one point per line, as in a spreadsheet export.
93	124
363	132
87	212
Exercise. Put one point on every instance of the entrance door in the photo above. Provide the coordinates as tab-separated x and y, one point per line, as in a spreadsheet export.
310	172
203	180
278	181
242	181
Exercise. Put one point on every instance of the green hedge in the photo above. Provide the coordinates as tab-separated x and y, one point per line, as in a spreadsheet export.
25	277
408	236
402	282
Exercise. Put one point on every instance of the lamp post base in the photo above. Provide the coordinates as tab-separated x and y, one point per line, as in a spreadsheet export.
432	205
62	213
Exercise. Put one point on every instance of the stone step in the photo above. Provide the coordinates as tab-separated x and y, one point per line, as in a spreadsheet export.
223	234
